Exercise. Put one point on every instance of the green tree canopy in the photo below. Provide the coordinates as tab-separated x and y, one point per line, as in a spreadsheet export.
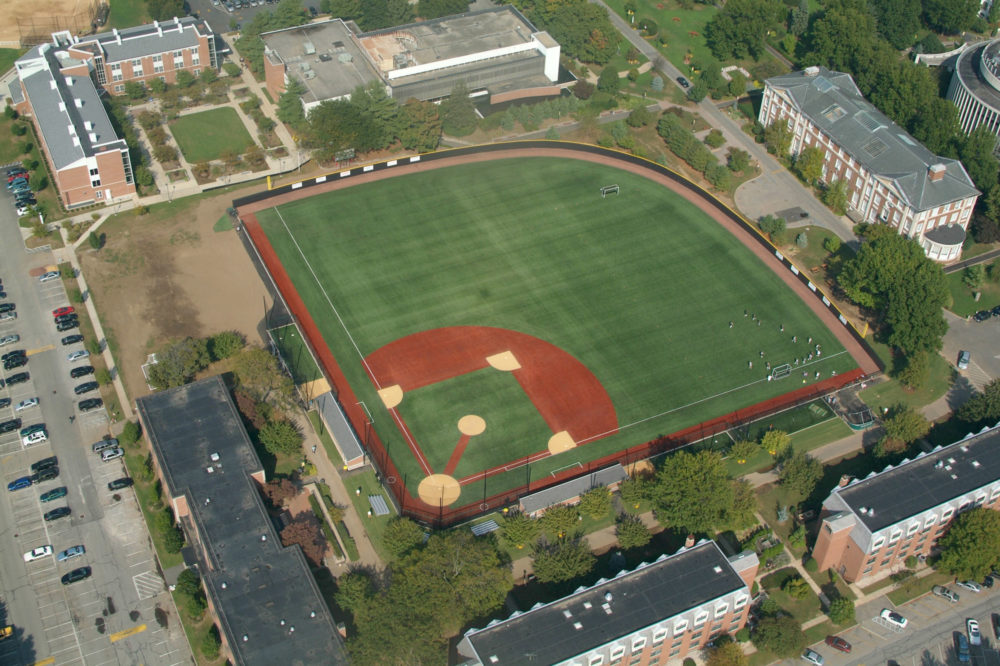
778	137
841	611
419	126
257	372
740	28
971	547
906	424
950	16
177	363
519	530
378	14
800	473
898	21
563	560
726	653
693	492
596	502
809	164
582	29
781	635
608	81
458	113
560	522
776	442
632	532
431	9
281	437
402	535
983	408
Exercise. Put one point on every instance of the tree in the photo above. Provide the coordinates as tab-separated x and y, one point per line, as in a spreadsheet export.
518	529
608	81
419	125
737	159
304	530
697	91
633	491
135	89
188	586
211	643
208	76
740	28
841	611
974	276
164	153
742	450
431	9
281	437
130	434
401	536
640	117
906	425
693	492
971	547
162	10
596	502
290	102
726	653
378	14
781	635
937	127
778	138
632	532
976	153
178	362
225	344
950	16
898	21
809	164
776	442
714	139
583	30
772	225
458	113
559	522
185	79
343	9
563	560
800	473
278	490
835	196
983	408
257	372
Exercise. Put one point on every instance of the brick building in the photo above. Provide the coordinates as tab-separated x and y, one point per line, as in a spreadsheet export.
59	86
657	613
891	178
869	527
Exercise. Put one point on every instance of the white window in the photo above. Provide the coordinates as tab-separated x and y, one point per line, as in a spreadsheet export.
878	543
120	88
136	62
196	72
947	513
700	618
195	58
659	634
99	194
894	537
720	610
680	626
929	521
638	643
179	54
912	529
596	659
741	601
617	652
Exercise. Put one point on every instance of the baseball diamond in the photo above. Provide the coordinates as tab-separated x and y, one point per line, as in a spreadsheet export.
507	325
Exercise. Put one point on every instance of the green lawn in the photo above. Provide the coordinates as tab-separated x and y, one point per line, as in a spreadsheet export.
680	39
127	13
364	480
295	352
7	58
801	609
207	135
914	587
640	290
963	301
892	393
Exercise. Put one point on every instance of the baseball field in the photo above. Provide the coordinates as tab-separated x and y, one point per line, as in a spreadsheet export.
505	317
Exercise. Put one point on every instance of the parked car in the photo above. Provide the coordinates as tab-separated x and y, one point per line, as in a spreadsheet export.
86	387
67	326
106	443
46	474
10	426
970	585
90	404
65	310
56	514
812	657
81	371
76	575
46	277
962	648
894	618
8	316
9	340
13	354
996	311
61	319
7	307
19	484
4	402
684	82
119	484
972	628
838	643
37	553
34	438
70	553
19	378
26	404
81	354
53	494
945	593
963	359
982	315
987	582
72	339
108	455
51	461
36	427
15	362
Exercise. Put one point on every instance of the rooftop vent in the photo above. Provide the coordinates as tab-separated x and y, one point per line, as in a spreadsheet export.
717	569
281	622
214	457
224	585
939	464
607	608
308	48
77	102
494	659
93	137
578	626
863	511
588	605
567	614
845	480
209	469
69	80
975	463
263	537
936	172
951	461
964	448
811	71
345	58
312	613
954	476
607	596
88	124
245	638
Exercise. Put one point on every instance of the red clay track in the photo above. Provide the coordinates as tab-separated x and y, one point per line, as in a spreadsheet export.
415	507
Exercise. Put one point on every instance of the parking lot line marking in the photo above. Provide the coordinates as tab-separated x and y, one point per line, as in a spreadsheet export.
45	662
125	633
32	352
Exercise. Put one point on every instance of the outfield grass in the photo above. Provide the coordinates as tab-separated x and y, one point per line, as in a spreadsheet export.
205	136
640	288
295	352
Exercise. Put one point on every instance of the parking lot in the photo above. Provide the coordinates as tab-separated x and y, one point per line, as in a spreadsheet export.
220	18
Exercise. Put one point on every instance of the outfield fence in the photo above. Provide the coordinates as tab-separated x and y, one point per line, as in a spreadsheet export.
378	452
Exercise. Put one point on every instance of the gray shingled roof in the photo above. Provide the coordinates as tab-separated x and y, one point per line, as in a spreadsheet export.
834	104
55	122
913	487
259	589
572	488
638	599
144	40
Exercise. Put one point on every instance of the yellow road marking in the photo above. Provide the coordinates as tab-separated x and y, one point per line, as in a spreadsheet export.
127	632
40	350
45	662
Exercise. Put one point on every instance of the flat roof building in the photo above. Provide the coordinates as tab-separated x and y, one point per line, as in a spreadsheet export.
891	178
870	525
656	613
975	87
495	51
268	606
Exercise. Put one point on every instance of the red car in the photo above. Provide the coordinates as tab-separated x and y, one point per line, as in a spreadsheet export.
838	643
58	312
23	174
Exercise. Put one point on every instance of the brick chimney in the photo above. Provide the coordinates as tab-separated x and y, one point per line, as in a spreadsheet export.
689	542
845	479
936	172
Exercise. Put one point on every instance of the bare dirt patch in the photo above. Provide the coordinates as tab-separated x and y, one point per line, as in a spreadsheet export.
44	16
168	275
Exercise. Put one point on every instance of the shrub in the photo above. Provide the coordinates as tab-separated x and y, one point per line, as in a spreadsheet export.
95	241
231	68
715	139
648	27
910	562
841	611
743	635
402	535
811	565
281	437
93	346
102	376
18	129
210	643
832	244
796	587
225	344
802	240
130	433
75	296
656	83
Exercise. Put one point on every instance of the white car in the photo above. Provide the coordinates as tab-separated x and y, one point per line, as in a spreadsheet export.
894	618
7	316
21	212
37	553
972	628
813	657
77	355
107	455
34	438
970	585
26	404
48	277
9	340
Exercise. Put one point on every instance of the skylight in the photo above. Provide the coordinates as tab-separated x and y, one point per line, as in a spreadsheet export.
875	147
833	113
823	84
868	121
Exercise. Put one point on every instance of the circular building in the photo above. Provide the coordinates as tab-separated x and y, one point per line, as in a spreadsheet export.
975	87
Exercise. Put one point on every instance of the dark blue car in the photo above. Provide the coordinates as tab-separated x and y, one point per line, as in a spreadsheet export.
18	484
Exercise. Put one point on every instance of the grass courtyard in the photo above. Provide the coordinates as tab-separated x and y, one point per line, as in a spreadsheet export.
208	135
640	288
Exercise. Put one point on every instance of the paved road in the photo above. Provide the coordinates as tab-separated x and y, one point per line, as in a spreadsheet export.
979	259
79	623
979	338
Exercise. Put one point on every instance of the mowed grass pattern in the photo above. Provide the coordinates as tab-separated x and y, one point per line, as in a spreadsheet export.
206	135
640	287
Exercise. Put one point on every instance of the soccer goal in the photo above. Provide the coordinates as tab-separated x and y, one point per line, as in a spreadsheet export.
781	371
608	189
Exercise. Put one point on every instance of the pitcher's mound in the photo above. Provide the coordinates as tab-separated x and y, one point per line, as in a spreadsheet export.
439	490
471	425
391	395
505	361
561	441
